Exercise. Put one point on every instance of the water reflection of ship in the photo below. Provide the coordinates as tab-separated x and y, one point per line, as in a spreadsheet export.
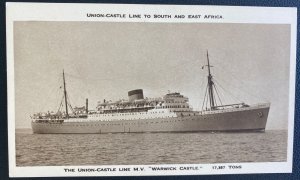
170	113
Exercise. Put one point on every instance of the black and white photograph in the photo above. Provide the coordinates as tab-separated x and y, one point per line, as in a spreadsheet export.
106	94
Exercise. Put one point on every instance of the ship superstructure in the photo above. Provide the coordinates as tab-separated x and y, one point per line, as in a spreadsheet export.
170	113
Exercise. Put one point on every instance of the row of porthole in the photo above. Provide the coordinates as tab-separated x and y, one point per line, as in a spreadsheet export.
116	115
131	123
125	114
221	111
138	119
137	123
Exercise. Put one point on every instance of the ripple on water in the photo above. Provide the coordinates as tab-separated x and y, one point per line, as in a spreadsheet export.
149	148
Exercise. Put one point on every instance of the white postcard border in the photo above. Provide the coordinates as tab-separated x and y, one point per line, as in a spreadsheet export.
77	12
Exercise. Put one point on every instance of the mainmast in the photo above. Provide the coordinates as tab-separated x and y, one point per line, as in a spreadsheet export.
210	85
65	95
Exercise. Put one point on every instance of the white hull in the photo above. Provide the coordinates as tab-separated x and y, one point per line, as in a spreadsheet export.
245	119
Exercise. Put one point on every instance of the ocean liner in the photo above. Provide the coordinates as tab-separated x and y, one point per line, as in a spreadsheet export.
170	113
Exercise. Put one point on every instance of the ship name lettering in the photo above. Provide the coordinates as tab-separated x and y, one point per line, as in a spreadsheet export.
105	169
115	15
94	15
189	168
163	168
86	170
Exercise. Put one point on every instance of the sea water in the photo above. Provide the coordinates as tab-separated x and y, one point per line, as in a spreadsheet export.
149	148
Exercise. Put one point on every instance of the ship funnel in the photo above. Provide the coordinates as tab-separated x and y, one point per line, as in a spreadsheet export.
135	95
87	105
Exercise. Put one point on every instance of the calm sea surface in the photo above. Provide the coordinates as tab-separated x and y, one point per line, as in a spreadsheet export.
148	148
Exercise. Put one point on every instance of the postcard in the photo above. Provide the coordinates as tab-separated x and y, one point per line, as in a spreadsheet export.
139	90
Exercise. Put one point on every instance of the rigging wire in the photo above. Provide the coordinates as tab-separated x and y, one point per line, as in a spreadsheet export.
217	94
186	62
215	99
204	97
86	85
101	79
59	97
60	105
227	97
46	100
79	96
243	84
235	98
69	104
206	101
202	91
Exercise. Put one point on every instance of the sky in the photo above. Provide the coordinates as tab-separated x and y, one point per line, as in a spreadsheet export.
105	60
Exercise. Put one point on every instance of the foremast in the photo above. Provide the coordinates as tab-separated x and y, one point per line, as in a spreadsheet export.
211	89
210	84
65	95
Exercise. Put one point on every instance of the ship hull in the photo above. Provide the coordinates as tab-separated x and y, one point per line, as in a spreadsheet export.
252	119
